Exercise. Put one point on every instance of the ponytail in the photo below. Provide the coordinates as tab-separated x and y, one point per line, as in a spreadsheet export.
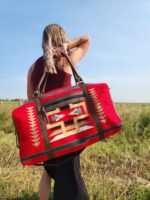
53	36
49	63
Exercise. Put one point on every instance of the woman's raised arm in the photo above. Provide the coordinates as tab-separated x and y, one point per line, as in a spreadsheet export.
78	47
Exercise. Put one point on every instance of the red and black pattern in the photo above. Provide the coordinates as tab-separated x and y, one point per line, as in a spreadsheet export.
67	122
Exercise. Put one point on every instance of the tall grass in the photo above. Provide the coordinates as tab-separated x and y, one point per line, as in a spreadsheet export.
116	169
6	123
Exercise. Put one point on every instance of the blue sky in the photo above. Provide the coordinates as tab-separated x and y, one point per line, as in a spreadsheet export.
118	54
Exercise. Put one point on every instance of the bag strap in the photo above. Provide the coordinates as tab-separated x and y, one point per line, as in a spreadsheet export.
77	77
82	85
42	83
41	112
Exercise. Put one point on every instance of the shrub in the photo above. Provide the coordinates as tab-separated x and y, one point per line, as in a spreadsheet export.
144	125
6	123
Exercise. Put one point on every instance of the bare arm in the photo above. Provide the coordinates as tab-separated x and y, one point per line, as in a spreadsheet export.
80	46
77	49
76	42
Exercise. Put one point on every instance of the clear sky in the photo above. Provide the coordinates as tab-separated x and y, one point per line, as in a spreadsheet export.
118	54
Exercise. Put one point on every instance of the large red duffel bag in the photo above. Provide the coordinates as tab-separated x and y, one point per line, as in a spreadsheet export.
64	120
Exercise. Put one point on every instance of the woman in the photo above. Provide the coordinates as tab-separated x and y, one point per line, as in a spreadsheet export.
64	170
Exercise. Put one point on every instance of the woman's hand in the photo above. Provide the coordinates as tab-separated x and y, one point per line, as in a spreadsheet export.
65	46
57	51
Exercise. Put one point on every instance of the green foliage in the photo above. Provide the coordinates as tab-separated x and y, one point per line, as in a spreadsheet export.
135	192
6	122
144	125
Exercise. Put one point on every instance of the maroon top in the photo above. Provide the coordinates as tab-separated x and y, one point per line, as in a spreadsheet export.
61	79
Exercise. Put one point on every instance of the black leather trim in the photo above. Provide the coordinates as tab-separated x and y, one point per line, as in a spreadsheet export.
92	110
43	127
74	143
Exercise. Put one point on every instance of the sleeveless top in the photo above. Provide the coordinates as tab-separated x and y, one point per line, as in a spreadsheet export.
61	79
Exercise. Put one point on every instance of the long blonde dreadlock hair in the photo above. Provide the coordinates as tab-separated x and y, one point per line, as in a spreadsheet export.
53	36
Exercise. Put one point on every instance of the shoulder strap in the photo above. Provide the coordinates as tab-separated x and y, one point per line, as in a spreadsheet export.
81	84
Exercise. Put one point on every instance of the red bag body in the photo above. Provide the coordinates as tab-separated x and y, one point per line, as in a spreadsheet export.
64	123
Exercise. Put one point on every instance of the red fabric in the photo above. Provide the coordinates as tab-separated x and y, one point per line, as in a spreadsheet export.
70	125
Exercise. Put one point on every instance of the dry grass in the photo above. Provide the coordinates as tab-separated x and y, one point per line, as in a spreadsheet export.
118	169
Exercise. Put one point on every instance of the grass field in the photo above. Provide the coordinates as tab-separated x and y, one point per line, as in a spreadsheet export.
117	169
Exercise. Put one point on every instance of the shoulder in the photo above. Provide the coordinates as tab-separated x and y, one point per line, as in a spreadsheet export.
38	63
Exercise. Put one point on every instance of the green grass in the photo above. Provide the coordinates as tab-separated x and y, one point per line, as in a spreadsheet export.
6	123
116	169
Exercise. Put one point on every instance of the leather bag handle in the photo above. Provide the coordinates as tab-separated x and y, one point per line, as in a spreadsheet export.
42	83
81	84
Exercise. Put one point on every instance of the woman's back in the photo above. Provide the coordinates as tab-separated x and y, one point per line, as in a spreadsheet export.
61	79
